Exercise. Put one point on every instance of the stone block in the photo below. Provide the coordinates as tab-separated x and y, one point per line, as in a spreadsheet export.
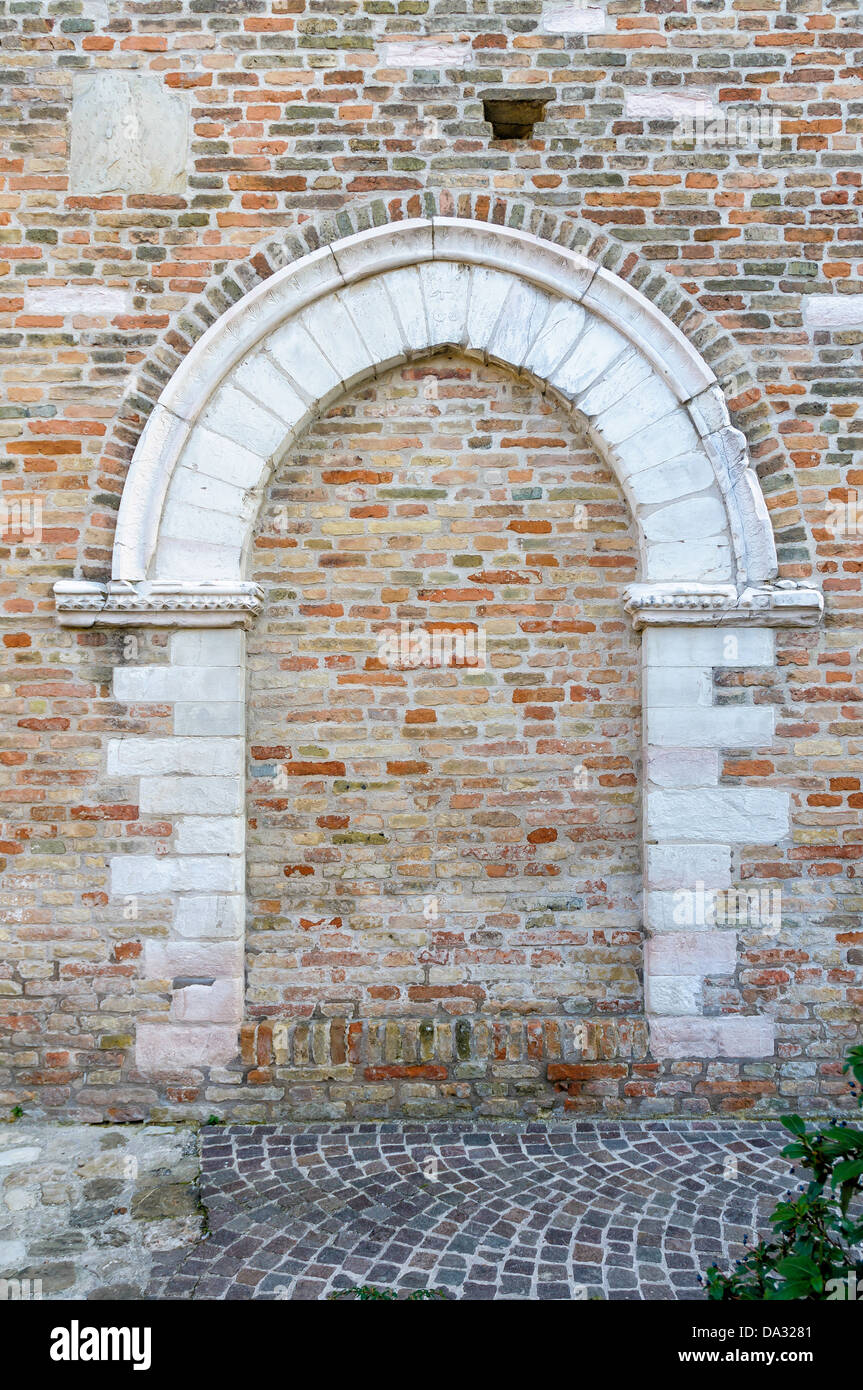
691	953
695	646
129	133
722	726
672	867
221	1002
205	796
212	718
672	994
169	1049
133	874
77	301
217	915
682	767
836	311
137	756
573	17
199	959
734	1035
755	816
210	835
161	684
677	685
195	647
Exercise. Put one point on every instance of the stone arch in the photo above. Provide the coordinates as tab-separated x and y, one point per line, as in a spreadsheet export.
745	395
229	413
323	324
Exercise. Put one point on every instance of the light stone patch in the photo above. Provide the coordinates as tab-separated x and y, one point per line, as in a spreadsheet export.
77	301
751	816
705	560
675	866
573	17
426	53
670	105
833	311
128	133
210	915
672	994
722	726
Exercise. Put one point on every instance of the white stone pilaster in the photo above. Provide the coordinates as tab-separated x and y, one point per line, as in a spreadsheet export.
195	778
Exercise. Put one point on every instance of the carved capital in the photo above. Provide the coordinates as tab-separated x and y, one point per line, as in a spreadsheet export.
163	603
782	603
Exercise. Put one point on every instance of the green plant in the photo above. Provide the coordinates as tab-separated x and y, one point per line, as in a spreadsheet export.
817	1234
363	1292
16	1112
214	1120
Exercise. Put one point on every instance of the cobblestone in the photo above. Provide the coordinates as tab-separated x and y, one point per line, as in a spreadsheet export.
616	1211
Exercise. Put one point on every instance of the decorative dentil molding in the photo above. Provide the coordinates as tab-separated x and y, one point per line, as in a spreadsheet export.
779	603
161	602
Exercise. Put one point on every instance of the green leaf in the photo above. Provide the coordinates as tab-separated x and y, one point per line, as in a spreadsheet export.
794	1123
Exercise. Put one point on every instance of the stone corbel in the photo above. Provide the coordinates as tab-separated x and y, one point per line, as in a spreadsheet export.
163	603
776	603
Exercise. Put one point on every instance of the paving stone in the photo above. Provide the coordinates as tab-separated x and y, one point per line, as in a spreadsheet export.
532	1213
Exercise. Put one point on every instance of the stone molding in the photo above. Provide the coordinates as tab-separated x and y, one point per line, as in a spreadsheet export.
209	603
783	603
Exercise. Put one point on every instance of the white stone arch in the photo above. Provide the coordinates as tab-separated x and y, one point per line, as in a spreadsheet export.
323	324
248	388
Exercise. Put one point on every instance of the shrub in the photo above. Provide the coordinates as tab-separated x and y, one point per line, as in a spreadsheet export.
817	1234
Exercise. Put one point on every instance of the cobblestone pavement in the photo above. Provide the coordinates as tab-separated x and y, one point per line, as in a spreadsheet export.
617	1211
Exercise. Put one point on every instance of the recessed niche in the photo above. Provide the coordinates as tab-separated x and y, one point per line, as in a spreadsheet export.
513	118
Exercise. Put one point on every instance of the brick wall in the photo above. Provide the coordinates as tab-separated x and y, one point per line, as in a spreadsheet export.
283	125
444	840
